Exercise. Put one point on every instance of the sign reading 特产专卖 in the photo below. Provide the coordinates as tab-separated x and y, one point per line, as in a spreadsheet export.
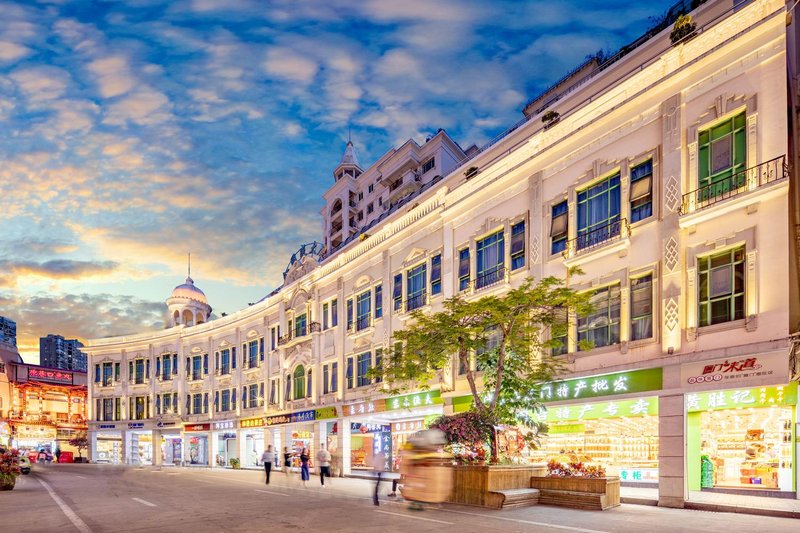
647	379
608	409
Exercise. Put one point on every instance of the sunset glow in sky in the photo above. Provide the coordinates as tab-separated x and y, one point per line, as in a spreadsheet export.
133	132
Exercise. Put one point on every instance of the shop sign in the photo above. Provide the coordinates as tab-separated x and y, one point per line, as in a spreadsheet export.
107	426
227	424
135	425
734	370
277	420
365	408
409	426
647	379
35	432
162	424
304	416
197	427
418	399
643	475
356	427
610	409
738	398
5	429
325	412
53	376
252	422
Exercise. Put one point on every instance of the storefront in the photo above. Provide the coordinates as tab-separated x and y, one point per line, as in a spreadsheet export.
32	437
5	434
299	430
107	444
225	443
196	445
139	444
252	437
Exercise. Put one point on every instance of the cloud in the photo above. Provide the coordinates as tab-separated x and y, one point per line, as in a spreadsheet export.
290	65
113	75
41	83
144	107
11	52
54	269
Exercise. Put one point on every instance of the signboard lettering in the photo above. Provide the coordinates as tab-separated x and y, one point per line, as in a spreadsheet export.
733	370
736	398
227	424
606	385
197	427
595	410
277	420
135	425
252	422
53	376
365	408
418	399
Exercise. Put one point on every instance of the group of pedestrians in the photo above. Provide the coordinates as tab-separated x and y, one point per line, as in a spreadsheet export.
323	462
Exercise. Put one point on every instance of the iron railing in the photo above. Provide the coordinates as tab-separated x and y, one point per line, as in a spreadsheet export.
362	323
416	301
490	277
597	237
737	184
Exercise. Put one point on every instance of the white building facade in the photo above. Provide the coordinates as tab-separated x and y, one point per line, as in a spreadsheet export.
664	177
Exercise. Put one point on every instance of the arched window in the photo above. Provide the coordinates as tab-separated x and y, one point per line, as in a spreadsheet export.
176	318
299	382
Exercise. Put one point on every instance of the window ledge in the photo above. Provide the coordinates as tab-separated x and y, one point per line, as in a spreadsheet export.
611	348
355	334
750	324
773	190
602	250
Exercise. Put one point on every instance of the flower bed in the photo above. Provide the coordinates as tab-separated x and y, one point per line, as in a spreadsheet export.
478	485
9	469
578	486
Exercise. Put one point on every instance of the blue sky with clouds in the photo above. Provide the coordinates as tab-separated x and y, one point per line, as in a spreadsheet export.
132	132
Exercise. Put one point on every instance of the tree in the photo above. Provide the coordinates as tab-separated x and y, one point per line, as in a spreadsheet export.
80	442
511	336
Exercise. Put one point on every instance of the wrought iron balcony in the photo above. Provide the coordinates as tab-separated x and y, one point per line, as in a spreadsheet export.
597	238
416	301
362	323
742	182
490	277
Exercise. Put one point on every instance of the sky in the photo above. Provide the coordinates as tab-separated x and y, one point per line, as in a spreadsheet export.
133	132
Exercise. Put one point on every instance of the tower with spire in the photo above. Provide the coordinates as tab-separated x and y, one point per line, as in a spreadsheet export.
187	304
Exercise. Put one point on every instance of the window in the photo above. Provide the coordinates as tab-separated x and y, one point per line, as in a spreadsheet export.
196	368
428	165
197	404
436	274
252	355
721	287
224	362
360	196
370	208
371	187
559	331
288	392
139	408
205	364
309	386
378	301
363	310
261	349
97	373
325	379
226	400
334	377
642	191
108	409
334	313
397	292
273	391
559	228
642	307
117	368
463	269
598	212
364	363
380	200
490	255
299	382
601	327
489	346
273	338
138	377
166	367
300	325
379	363
325	307
722	155
107	374
349	314
416	279
518	245
349	373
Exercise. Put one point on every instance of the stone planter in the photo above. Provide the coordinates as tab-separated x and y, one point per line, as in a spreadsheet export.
7	482
578	492
481	485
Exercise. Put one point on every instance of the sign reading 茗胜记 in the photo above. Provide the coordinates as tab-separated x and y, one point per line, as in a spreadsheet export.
647	379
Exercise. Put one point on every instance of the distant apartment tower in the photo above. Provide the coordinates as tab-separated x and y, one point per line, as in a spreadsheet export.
8	331
57	352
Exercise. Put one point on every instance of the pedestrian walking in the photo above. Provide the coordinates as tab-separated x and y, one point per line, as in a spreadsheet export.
378	461
58	455
266	457
304	458
324	462
287	461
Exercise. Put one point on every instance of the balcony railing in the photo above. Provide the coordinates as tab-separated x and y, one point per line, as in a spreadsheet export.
740	183
315	327
362	323
490	277
416	301
597	237
284	339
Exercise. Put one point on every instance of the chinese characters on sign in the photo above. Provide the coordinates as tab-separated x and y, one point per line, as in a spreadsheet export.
197	427
610	409
733	399
643	475
730	371
252	422
365	408
53	376
419	399
605	385
227	424
303	416
410	426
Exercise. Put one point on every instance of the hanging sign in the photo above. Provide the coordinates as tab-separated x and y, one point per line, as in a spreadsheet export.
738	398
418	399
734	370
647	379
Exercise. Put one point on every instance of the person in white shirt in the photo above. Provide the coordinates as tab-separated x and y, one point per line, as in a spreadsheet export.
324	462
266	458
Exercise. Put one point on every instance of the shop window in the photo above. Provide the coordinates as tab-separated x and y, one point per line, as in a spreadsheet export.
722	156
299	378
364	363
436	274
641	196
378	301
325	307
415	287
490	257
518	245
559	227
349	373
721	287
363	310
397	292
599	212
601	327
642	307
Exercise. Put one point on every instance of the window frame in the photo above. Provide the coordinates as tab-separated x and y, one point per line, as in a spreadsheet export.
733	295
583	332
584	197
489	275
633	318
418	298
558	240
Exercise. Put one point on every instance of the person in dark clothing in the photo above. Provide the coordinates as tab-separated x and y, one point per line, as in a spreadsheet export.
305	475
287	461
266	458
378	465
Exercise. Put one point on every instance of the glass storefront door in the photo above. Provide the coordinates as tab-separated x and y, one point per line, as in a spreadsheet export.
197	449
171	449
108	447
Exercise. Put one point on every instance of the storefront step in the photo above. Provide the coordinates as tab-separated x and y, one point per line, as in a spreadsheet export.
722	508
633	500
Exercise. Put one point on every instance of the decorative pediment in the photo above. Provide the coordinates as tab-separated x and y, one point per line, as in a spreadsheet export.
362	280
196	349
252	333
415	255
299	297
362	342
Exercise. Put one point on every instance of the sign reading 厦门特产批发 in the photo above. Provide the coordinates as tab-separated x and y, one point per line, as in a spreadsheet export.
647	379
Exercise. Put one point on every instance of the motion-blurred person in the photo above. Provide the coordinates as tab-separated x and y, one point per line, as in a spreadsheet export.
266	458
304	473
378	461
324	462
287	461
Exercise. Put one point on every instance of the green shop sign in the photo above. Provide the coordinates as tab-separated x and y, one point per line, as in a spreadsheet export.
738	398
418	399
595	410
325	412
606	385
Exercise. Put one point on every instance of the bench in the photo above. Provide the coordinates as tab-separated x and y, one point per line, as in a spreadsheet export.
510	498
576	500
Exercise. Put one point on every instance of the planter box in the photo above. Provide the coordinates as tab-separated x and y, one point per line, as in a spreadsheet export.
480	485
578	492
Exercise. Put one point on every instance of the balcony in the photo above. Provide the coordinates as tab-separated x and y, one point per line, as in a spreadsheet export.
747	187
605	240
416	301
490	277
362	323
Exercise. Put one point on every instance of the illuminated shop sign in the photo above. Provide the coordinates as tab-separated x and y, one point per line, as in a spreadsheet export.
304	416
252	422
325	412
227	424
197	427
106	426
643	475
409	426
740	398
606	385
277	420
365	408
418	399
53	376
135	425
733	370
356	427
609	409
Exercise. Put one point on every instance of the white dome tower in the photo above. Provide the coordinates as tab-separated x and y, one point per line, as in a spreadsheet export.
187	304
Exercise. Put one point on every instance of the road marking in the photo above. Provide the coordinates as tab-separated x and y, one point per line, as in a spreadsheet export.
416	517
82	477
74	518
271	492
519	521
143	502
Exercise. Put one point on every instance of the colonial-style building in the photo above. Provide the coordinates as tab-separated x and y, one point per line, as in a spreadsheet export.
663	172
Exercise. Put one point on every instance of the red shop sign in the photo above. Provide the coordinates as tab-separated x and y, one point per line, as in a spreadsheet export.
197	427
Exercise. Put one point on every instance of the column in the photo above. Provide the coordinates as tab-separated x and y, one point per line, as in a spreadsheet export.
158	458
343	438
125	447
671	461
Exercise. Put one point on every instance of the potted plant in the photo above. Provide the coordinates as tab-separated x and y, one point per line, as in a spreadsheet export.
235	464
683	28
9	468
81	443
550	118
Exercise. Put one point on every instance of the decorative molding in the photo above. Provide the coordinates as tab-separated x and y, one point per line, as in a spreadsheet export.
671	314
413	256
672	194
535	250
671	254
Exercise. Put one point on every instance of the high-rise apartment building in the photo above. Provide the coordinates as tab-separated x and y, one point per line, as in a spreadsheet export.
8	331
57	352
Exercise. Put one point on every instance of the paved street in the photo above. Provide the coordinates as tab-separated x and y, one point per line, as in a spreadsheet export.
106	498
